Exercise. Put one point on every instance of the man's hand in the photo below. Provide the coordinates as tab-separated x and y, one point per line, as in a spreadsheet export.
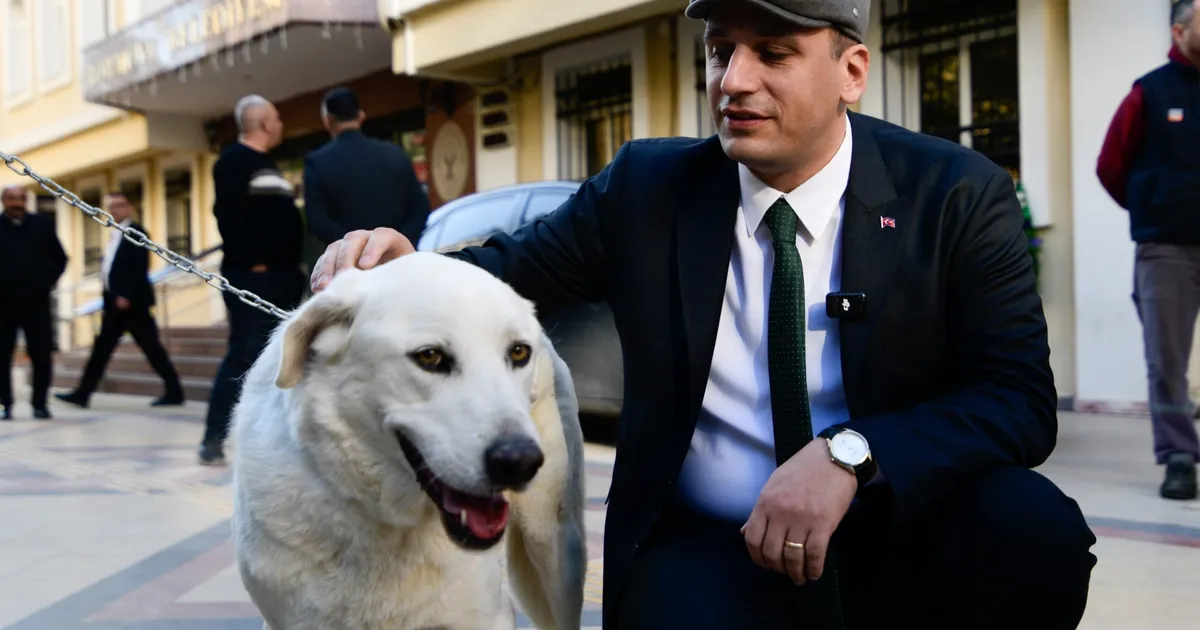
361	249
803	502
122	304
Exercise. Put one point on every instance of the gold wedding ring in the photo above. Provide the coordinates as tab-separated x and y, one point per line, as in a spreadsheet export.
792	545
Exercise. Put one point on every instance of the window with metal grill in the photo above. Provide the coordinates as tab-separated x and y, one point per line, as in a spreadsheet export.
594	111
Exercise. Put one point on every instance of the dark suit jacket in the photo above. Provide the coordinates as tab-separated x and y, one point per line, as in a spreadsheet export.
32	260
947	375
128	276
361	183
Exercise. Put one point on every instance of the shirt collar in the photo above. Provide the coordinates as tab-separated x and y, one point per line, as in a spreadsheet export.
814	201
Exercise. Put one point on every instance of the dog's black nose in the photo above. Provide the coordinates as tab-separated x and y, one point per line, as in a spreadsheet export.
511	462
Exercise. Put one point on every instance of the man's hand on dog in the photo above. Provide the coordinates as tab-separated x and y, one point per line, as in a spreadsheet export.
360	248
803	502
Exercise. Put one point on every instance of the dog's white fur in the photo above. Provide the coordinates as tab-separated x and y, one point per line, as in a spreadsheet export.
331	527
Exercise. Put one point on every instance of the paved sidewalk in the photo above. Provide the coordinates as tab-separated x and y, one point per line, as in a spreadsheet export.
109	523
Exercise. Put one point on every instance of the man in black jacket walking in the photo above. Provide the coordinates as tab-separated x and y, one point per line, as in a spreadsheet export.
33	260
127	301
359	183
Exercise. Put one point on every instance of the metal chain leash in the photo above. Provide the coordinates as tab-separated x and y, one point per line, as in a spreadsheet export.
217	281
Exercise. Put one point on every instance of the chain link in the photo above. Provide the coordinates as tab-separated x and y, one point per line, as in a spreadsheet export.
217	281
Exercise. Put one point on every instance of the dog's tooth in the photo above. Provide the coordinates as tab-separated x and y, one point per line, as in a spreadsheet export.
463	516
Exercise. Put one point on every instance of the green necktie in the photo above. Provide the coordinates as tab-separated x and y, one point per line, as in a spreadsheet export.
785	337
786	366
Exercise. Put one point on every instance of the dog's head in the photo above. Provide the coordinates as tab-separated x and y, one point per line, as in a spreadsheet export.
419	373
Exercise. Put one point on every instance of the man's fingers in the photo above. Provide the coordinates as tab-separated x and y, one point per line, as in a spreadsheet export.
814	554
753	530
772	545
794	560
351	249
384	244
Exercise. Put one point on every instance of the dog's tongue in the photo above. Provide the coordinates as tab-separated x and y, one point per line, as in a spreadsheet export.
486	516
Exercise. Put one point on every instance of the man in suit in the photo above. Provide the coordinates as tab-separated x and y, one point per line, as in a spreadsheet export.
810	273
359	183
31	262
128	297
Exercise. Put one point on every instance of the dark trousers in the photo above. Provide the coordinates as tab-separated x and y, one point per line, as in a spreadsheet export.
141	326
1006	551
1167	296
36	320
249	331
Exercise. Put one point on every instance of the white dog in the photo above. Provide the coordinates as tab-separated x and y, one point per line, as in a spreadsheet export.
383	436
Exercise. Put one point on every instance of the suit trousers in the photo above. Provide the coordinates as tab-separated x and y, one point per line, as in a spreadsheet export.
1007	550
1167	296
35	319
249	331
140	324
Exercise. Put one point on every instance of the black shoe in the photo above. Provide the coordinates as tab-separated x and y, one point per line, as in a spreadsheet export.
1180	482
211	454
168	401
42	413
5	412
74	398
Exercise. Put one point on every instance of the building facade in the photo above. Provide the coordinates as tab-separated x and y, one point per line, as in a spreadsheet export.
137	96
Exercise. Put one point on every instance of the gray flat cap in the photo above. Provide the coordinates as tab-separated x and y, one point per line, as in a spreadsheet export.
848	16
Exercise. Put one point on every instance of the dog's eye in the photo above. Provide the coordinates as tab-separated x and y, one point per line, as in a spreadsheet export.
519	354
432	359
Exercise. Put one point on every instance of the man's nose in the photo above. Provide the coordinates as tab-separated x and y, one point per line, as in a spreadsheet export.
741	73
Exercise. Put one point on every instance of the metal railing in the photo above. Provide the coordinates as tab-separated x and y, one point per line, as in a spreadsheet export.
165	282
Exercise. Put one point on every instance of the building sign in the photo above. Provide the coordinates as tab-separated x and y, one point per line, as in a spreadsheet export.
172	39
192	30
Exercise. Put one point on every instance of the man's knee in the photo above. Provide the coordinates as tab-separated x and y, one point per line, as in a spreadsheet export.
1023	507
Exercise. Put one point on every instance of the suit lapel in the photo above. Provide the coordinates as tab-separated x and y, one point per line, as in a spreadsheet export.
869	251
704	240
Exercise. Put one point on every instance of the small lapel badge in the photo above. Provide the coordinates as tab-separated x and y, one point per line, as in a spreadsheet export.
849	306
886	222
1175	114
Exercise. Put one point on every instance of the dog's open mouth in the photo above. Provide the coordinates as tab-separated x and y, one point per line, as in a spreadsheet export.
472	521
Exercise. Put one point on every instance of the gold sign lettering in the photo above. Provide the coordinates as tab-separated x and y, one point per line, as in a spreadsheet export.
215	21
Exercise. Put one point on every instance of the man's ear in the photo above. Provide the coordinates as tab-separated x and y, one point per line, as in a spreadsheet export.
325	313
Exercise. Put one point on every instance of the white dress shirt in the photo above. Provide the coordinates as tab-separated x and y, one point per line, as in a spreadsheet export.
732	453
110	252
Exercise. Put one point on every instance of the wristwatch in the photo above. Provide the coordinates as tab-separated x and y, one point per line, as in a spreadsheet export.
849	449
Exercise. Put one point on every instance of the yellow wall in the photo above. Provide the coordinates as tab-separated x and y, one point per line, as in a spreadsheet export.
529	120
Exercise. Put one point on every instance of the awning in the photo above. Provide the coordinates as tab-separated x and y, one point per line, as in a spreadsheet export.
450	37
199	56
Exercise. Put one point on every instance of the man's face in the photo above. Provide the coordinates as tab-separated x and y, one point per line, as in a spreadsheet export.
776	90
1187	36
13	199
273	126
120	208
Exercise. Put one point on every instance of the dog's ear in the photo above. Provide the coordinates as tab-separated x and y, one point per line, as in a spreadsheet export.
322	313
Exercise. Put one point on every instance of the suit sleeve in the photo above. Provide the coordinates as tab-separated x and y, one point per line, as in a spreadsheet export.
559	259
415	209
1122	143
58	257
316	206
999	408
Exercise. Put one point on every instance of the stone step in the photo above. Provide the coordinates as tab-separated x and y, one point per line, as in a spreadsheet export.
194	389
180	346
199	367
197	332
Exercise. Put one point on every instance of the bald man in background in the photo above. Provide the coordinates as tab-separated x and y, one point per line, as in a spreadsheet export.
31	261
263	241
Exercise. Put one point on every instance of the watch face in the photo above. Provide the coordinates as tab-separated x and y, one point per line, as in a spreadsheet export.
849	448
